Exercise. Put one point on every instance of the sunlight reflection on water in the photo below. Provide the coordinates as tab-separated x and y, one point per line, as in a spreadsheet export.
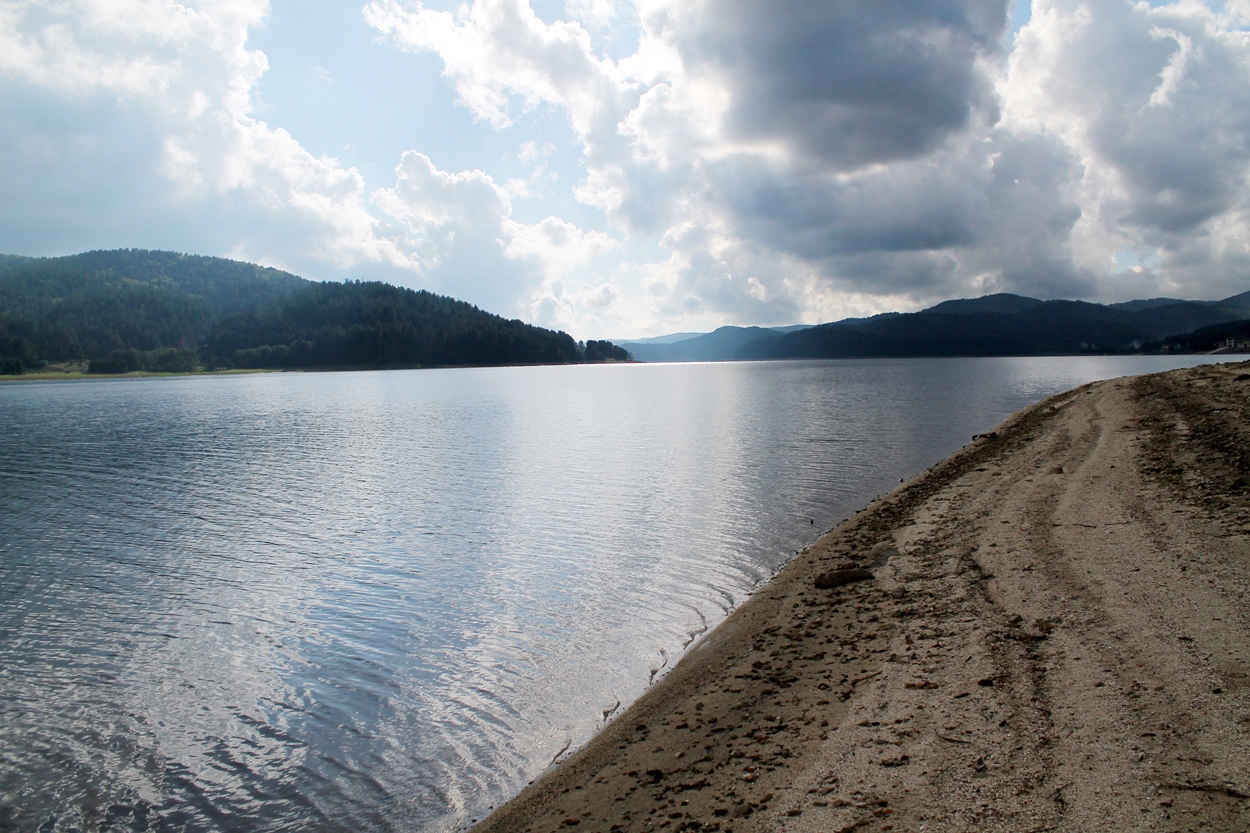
376	601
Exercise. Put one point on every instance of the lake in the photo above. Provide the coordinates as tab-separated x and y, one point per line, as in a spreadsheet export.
386	600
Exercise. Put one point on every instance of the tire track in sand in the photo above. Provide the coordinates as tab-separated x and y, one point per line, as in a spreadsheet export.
1056	638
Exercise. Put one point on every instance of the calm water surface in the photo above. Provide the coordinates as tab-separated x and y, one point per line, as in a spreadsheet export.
384	601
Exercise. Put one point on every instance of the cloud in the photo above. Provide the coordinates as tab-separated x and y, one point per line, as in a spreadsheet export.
152	100
1114	126
557	246
785	156
859	155
1155	102
431	201
851	83
460	229
828	177
493	50
554	306
146	108
559	250
676	164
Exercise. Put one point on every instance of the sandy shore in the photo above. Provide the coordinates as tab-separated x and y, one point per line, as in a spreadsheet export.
1056	636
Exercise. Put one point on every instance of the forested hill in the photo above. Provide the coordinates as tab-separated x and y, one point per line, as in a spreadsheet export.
374	324
142	310
88	305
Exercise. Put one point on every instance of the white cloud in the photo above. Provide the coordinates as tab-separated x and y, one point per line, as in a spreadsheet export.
854	148
159	100
1155	104
461	230
493	50
740	164
180	79
1171	76
784	156
558	246
561	250
554	306
431	201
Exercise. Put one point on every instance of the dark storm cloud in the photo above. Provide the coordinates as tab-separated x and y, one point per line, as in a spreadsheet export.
1168	106
999	203
1024	230
906	207
856	81
1177	169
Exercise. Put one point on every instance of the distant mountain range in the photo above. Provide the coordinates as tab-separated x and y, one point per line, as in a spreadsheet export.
722	345
993	325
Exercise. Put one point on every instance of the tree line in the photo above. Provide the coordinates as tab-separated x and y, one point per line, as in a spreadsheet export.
372	324
87	306
140	310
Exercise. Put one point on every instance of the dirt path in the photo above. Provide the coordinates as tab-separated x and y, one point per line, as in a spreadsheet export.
1057	637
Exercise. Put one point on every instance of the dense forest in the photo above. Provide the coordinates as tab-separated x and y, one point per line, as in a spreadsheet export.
163	360
605	351
87	306
378	325
130	310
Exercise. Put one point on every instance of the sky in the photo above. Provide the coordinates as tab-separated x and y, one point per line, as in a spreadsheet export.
627	169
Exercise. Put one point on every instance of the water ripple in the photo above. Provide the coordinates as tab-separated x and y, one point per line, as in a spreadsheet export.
384	601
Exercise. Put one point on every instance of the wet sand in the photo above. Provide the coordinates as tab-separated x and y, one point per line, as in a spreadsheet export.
1055	636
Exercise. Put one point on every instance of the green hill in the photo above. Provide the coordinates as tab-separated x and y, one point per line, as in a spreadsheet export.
141	310
377	325
86	306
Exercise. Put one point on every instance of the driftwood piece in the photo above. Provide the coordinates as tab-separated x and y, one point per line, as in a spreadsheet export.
837	578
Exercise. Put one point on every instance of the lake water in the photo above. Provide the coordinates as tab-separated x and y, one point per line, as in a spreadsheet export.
385	600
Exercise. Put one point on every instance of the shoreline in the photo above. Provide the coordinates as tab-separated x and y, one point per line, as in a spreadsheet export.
76	375
80	375
1011	664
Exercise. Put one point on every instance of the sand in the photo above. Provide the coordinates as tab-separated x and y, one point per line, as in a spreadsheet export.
1056	636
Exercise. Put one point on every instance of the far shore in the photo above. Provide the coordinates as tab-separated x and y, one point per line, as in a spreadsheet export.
78	371
80	375
1048	631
